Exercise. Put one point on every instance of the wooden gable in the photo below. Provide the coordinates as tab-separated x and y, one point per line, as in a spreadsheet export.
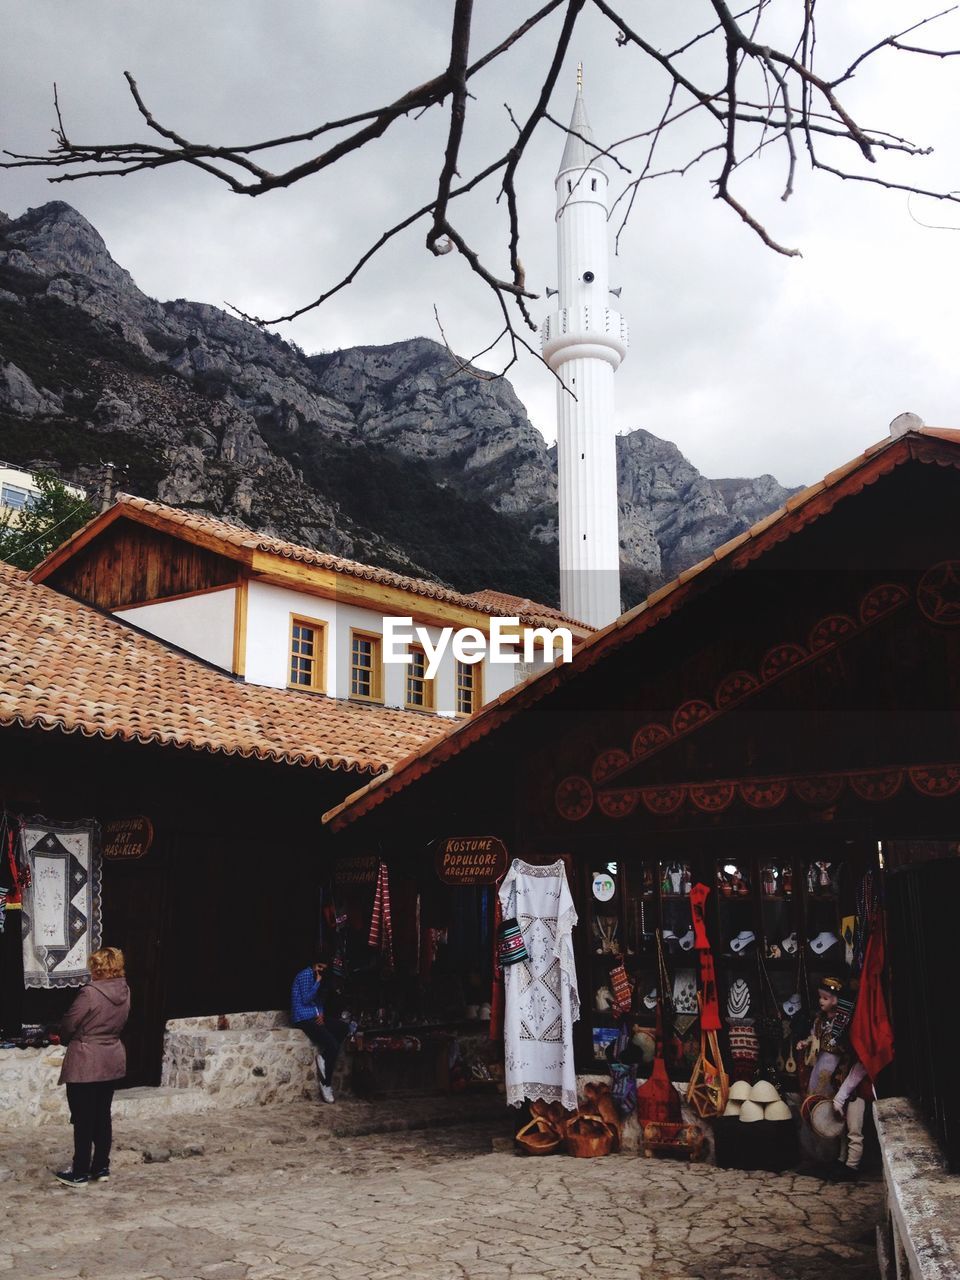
129	563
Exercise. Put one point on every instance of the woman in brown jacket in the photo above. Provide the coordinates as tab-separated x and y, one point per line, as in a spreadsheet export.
94	1062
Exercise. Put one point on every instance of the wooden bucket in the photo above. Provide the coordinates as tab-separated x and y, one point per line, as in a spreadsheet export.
589	1136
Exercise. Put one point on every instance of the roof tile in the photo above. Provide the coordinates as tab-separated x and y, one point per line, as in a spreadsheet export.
238	536
65	665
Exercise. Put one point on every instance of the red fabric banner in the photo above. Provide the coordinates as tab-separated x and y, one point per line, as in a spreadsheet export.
871	1032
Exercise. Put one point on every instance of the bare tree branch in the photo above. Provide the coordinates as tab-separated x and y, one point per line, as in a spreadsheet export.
893	42
753	100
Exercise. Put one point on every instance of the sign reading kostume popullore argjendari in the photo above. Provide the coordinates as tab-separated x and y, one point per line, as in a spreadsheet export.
465	860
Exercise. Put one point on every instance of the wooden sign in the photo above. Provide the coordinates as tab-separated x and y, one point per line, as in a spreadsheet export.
125	839
361	868
465	860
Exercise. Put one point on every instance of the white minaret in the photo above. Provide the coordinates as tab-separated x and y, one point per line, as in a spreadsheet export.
584	342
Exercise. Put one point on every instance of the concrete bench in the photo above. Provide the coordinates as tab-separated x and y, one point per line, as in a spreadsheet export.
920	1237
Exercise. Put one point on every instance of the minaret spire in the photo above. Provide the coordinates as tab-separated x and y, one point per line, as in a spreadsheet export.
584	342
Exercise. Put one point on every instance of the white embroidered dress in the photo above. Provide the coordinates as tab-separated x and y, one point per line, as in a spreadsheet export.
541	1000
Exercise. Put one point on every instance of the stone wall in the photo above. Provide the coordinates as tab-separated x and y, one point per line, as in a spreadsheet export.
226	1060
28	1086
239	1059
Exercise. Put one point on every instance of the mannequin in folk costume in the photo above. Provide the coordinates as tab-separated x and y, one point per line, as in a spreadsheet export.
830	1034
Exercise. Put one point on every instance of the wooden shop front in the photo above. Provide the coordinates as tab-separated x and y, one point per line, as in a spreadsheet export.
409	934
202	791
221	908
774	725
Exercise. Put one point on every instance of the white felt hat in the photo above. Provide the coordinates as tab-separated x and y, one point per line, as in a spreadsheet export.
739	1091
751	1111
763	1091
777	1111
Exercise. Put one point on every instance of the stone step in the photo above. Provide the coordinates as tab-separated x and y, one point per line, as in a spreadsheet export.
146	1103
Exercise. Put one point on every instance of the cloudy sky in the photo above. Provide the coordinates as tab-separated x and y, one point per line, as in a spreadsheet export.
749	361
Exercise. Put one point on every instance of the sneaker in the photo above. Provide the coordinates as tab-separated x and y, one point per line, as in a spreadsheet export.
326	1093
102	1175
71	1179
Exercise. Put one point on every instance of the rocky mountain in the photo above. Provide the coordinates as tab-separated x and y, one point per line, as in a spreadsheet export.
388	454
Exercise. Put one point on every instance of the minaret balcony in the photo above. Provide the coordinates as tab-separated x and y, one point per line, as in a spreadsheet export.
585	332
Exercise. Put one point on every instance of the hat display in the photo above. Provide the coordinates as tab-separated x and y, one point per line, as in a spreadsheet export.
789	943
732	1108
777	1111
744	939
792	1005
739	1091
686	942
650	999
763	1091
750	1112
823	942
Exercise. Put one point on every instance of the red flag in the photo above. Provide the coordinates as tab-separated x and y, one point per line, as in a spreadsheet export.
871	1032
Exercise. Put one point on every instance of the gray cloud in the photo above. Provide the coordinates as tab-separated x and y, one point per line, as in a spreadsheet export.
749	361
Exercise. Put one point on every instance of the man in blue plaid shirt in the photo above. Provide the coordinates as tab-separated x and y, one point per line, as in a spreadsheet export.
307	1013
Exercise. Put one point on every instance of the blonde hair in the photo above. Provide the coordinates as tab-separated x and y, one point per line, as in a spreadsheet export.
106	963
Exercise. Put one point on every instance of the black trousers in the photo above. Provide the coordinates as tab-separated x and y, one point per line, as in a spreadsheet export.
92	1129
328	1037
11	973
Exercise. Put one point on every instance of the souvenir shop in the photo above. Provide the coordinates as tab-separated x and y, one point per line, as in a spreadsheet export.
144	847
752	785
410	944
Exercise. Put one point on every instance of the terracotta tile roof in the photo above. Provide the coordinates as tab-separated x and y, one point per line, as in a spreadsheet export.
240	539
801	509
64	665
501	602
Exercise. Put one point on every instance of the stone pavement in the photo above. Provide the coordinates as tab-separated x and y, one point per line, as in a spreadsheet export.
281	1193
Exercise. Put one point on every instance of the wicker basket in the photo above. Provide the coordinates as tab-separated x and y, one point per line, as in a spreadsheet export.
589	1136
538	1137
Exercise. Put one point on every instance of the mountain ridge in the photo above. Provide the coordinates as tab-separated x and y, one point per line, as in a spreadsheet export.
391	454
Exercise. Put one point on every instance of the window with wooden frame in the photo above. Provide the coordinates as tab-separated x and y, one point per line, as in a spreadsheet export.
469	688
366	666
305	668
418	691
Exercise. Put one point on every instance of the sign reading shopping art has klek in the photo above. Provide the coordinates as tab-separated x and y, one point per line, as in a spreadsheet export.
465	860
125	839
